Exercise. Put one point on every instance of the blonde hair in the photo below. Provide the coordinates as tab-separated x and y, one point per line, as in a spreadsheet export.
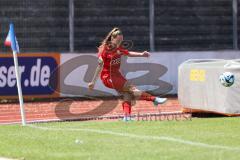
107	40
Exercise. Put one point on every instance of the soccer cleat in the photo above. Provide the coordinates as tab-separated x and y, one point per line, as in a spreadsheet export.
159	100
127	119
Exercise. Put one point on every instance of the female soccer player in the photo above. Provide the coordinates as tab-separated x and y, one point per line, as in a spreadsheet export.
109	61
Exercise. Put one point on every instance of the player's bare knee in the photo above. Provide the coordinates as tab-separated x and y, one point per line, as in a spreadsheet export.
136	92
127	97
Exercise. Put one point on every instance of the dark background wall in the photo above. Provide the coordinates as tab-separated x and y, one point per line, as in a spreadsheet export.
40	25
94	19
193	24
238	24
180	25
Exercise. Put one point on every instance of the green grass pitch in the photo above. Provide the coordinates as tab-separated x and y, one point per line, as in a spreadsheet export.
202	139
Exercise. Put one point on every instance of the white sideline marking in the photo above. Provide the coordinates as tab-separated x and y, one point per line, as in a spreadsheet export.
165	138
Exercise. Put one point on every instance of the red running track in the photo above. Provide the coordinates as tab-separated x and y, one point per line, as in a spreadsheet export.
66	109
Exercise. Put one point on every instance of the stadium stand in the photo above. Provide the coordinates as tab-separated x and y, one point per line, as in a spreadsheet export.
40	25
193	25
179	25
93	19
238	23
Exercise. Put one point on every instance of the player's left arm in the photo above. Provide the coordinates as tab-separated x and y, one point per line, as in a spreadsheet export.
134	54
139	54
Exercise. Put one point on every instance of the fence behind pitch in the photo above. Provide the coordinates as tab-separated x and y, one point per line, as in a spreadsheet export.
179	25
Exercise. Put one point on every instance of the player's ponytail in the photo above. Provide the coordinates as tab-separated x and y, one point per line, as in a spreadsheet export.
112	34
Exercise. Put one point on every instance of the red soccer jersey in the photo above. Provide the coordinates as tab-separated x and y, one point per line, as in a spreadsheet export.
110	75
112	59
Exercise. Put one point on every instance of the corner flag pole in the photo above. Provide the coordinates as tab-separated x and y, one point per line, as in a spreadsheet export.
11	40
20	97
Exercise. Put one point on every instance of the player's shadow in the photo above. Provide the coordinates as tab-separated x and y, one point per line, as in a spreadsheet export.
207	115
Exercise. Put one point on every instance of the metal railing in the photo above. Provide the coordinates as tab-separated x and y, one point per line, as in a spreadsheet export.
235	24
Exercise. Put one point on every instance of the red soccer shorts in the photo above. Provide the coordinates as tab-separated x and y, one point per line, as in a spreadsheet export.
115	81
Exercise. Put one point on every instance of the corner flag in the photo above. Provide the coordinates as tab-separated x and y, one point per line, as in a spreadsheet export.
11	40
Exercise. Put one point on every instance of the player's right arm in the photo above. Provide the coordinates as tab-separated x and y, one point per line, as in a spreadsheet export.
96	74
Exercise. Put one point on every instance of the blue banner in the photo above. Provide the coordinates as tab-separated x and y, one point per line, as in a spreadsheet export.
35	72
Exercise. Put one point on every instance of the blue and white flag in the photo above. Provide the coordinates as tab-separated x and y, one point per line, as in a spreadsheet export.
11	40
